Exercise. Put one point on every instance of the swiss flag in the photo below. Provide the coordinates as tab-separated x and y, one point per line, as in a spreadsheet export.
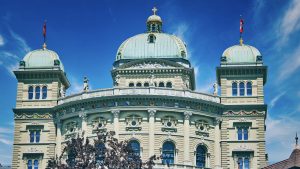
44	29
241	25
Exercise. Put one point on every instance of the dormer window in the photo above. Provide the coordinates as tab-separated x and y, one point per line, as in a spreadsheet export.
151	38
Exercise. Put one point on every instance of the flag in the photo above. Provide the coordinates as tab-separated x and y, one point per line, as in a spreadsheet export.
241	26
44	30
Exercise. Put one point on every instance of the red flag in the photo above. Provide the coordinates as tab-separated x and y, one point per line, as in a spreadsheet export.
44	30
241	26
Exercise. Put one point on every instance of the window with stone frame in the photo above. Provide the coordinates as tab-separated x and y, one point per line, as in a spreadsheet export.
70	129
242	130
99	124
32	160
133	123
34	133
202	128
242	159
169	124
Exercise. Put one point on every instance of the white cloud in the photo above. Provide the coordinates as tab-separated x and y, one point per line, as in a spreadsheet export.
290	21
275	99
290	65
22	44
6	141
280	136
76	86
1	40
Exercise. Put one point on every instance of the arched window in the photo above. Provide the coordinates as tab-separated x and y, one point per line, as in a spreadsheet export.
240	163
44	92
169	85
139	84
168	152
29	164
234	89
36	164
131	84
151	38
135	147
200	156
153	27
242	89
146	84
30	92
249	89
161	84
100	154
37	92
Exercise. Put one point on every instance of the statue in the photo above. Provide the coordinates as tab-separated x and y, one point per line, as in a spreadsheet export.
85	84
187	83
215	88
151	80
117	80
62	91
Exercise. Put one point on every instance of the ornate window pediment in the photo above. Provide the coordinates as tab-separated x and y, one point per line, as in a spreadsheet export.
169	124
202	128
99	124
133	123
71	129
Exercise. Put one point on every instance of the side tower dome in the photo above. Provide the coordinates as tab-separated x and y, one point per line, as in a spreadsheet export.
41	59
239	54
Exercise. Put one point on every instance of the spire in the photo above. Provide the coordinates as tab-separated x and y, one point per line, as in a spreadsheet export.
44	34
154	9
241	30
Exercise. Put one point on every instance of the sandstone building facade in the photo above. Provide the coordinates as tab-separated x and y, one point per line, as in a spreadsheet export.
153	103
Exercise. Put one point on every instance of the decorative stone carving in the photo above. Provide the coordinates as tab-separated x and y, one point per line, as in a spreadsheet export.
152	77
151	112
217	120
33	150
83	116
187	115
115	113
150	65
243	113
117	80
33	116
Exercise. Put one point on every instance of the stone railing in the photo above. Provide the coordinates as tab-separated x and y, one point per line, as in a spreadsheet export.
139	91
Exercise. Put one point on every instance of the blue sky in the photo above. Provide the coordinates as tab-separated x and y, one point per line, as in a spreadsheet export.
87	34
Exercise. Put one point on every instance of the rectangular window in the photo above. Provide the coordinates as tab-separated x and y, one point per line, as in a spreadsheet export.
243	162
35	136
31	136
240	133
245	133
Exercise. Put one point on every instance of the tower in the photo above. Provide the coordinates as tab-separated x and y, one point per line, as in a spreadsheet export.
41	81
242	76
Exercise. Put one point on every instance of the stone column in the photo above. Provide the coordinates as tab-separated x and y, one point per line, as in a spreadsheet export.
217	145
186	139
151	131
116	122
58	138
83	117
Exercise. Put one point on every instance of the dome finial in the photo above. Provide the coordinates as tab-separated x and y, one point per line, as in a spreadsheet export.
154	9
44	34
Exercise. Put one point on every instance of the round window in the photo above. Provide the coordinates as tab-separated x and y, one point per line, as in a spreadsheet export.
100	125
133	123
202	128
169	124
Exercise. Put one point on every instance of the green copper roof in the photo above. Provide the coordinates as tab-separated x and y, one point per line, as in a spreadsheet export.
42	59
241	54
163	46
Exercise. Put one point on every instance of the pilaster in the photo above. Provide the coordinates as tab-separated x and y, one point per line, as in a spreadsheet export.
116	122
151	131
186	139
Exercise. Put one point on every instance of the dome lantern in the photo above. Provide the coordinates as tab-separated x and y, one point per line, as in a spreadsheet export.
154	22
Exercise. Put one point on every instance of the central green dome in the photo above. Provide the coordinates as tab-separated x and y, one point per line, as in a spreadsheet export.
152	45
